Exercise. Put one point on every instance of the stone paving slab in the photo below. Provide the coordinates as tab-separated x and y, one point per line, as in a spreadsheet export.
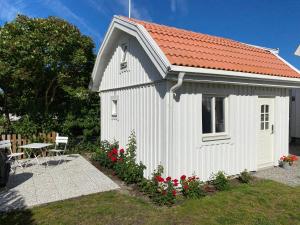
289	177
38	184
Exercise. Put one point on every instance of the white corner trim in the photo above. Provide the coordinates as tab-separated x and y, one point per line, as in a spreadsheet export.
233	74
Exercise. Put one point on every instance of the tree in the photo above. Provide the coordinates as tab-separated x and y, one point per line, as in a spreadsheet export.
45	68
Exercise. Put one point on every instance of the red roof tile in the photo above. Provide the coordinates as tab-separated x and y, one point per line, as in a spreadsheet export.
187	48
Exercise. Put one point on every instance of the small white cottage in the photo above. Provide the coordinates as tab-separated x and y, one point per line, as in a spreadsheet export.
198	103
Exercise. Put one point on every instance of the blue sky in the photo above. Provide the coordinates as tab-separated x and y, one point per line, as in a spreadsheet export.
269	23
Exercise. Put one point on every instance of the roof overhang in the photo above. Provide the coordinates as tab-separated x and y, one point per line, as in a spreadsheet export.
194	74
146	41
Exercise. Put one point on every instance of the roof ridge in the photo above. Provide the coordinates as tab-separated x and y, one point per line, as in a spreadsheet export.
251	46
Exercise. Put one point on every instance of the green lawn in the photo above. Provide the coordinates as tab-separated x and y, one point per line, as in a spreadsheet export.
264	202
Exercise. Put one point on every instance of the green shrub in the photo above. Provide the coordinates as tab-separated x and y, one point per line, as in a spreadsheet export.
126	167
191	187
102	154
122	162
166	191
161	191
150	186
220	181
245	177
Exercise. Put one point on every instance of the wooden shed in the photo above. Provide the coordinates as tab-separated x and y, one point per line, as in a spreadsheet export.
198	103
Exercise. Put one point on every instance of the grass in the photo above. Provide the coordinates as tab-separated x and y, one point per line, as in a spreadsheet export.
263	203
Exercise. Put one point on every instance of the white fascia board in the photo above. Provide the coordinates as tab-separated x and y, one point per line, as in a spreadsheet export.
228	76
146	41
287	63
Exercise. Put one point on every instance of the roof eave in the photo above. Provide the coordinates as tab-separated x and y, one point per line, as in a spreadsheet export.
233	77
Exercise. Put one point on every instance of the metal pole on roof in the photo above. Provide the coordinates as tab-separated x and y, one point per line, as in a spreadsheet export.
297	52
129	8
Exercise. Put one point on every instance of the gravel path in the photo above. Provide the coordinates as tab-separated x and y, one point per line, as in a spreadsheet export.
289	177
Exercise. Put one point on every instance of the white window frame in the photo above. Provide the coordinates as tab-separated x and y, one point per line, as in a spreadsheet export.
114	103
214	135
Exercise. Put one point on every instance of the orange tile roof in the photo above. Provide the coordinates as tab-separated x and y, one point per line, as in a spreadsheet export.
187	48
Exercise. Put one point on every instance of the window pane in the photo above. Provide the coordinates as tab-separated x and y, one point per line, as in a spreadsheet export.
267	117
266	126
262	108
267	108
262	117
114	108
220	114
206	114
262	125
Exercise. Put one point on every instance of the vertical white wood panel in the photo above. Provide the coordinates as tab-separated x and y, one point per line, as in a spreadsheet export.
140	69
191	155
140	109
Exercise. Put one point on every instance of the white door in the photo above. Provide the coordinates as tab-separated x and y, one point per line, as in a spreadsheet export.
265	132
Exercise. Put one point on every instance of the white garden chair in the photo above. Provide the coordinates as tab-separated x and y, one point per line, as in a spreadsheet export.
13	156
58	151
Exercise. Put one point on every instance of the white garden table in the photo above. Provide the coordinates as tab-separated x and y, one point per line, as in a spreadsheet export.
35	148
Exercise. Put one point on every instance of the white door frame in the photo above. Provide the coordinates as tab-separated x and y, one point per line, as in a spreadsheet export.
270	100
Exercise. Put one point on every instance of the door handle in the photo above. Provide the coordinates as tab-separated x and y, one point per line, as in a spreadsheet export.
272	129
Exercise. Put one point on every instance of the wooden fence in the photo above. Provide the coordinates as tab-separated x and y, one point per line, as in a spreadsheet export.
17	139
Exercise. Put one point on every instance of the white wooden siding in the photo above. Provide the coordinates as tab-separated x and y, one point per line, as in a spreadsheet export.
294	116
141	109
140	69
191	155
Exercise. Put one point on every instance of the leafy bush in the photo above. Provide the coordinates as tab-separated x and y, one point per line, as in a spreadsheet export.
220	181
166	191
150	186
102	155
122	162
191	187
245	177
126	167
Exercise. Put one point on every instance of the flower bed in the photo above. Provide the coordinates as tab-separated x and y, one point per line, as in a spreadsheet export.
162	191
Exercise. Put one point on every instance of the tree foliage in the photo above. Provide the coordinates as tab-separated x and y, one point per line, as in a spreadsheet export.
45	68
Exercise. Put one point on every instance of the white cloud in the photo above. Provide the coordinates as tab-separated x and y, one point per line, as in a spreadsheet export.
100	6
62	10
9	9
179	5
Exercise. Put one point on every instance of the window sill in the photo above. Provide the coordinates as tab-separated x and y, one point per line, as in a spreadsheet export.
114	117
215	137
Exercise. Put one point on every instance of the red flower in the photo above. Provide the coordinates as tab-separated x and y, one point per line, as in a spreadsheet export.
168	178
114	159
175	184
175	181
185	187
159	179
182	177
114	151
122	150
174	192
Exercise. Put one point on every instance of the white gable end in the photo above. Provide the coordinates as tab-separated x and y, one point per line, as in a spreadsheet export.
128	67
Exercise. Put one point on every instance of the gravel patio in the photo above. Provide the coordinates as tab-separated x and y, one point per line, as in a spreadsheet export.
289	177
38	184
